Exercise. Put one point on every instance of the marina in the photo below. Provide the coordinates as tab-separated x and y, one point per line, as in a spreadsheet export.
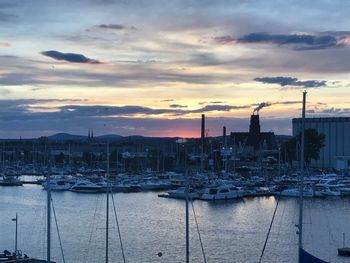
154	131
231	230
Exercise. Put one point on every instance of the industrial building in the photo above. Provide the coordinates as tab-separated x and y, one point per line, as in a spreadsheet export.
336	152
252	142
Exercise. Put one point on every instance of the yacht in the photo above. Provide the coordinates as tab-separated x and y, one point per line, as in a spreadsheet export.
326	190
59	183
308	191
10	181
181	193
154	184
221	192
85	186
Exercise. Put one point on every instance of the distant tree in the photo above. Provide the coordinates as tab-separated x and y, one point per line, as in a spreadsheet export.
314	142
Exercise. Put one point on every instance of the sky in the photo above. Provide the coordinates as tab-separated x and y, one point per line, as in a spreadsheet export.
152	67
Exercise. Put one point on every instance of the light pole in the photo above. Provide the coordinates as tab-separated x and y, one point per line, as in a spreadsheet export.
16	232
279	160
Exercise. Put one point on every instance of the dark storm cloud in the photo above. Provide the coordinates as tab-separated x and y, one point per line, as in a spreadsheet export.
70	57
292	82
298	41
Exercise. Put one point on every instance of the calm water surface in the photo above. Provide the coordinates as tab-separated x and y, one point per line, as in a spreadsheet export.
232	231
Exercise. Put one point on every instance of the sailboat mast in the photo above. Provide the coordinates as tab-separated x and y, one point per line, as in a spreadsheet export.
187	217
48	252
301	178
16	234
107	203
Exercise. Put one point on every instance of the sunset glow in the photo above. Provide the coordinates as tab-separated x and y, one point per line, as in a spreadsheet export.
148	67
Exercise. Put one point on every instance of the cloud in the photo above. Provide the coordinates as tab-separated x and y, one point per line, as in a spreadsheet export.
292	82
15	127
115	26
177	106
223	108
70	57
304	41
285	102
98	110
212	102
5	17
111	26
41	108
329	112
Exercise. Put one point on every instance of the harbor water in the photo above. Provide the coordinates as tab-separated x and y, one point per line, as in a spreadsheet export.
231	231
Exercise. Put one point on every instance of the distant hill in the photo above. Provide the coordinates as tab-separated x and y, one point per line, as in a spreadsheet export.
111	137
66	137
73	137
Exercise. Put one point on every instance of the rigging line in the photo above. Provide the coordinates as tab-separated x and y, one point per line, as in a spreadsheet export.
310	223
280	224
58	231
117	221
199	233
268	233
92	229
45	227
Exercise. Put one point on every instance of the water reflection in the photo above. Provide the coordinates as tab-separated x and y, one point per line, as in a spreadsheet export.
232	231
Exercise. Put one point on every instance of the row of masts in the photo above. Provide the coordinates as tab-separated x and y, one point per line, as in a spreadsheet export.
300	224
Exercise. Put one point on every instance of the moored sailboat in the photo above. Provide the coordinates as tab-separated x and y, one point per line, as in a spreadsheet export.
303	255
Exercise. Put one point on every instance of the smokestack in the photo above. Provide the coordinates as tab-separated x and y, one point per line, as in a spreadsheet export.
202	141
254	127
203	128
224	136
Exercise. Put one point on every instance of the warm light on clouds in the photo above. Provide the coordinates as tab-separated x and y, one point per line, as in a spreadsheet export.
158	65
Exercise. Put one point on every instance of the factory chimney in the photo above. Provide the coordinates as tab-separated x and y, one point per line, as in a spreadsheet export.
224	136
203	128
202	141
254	127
